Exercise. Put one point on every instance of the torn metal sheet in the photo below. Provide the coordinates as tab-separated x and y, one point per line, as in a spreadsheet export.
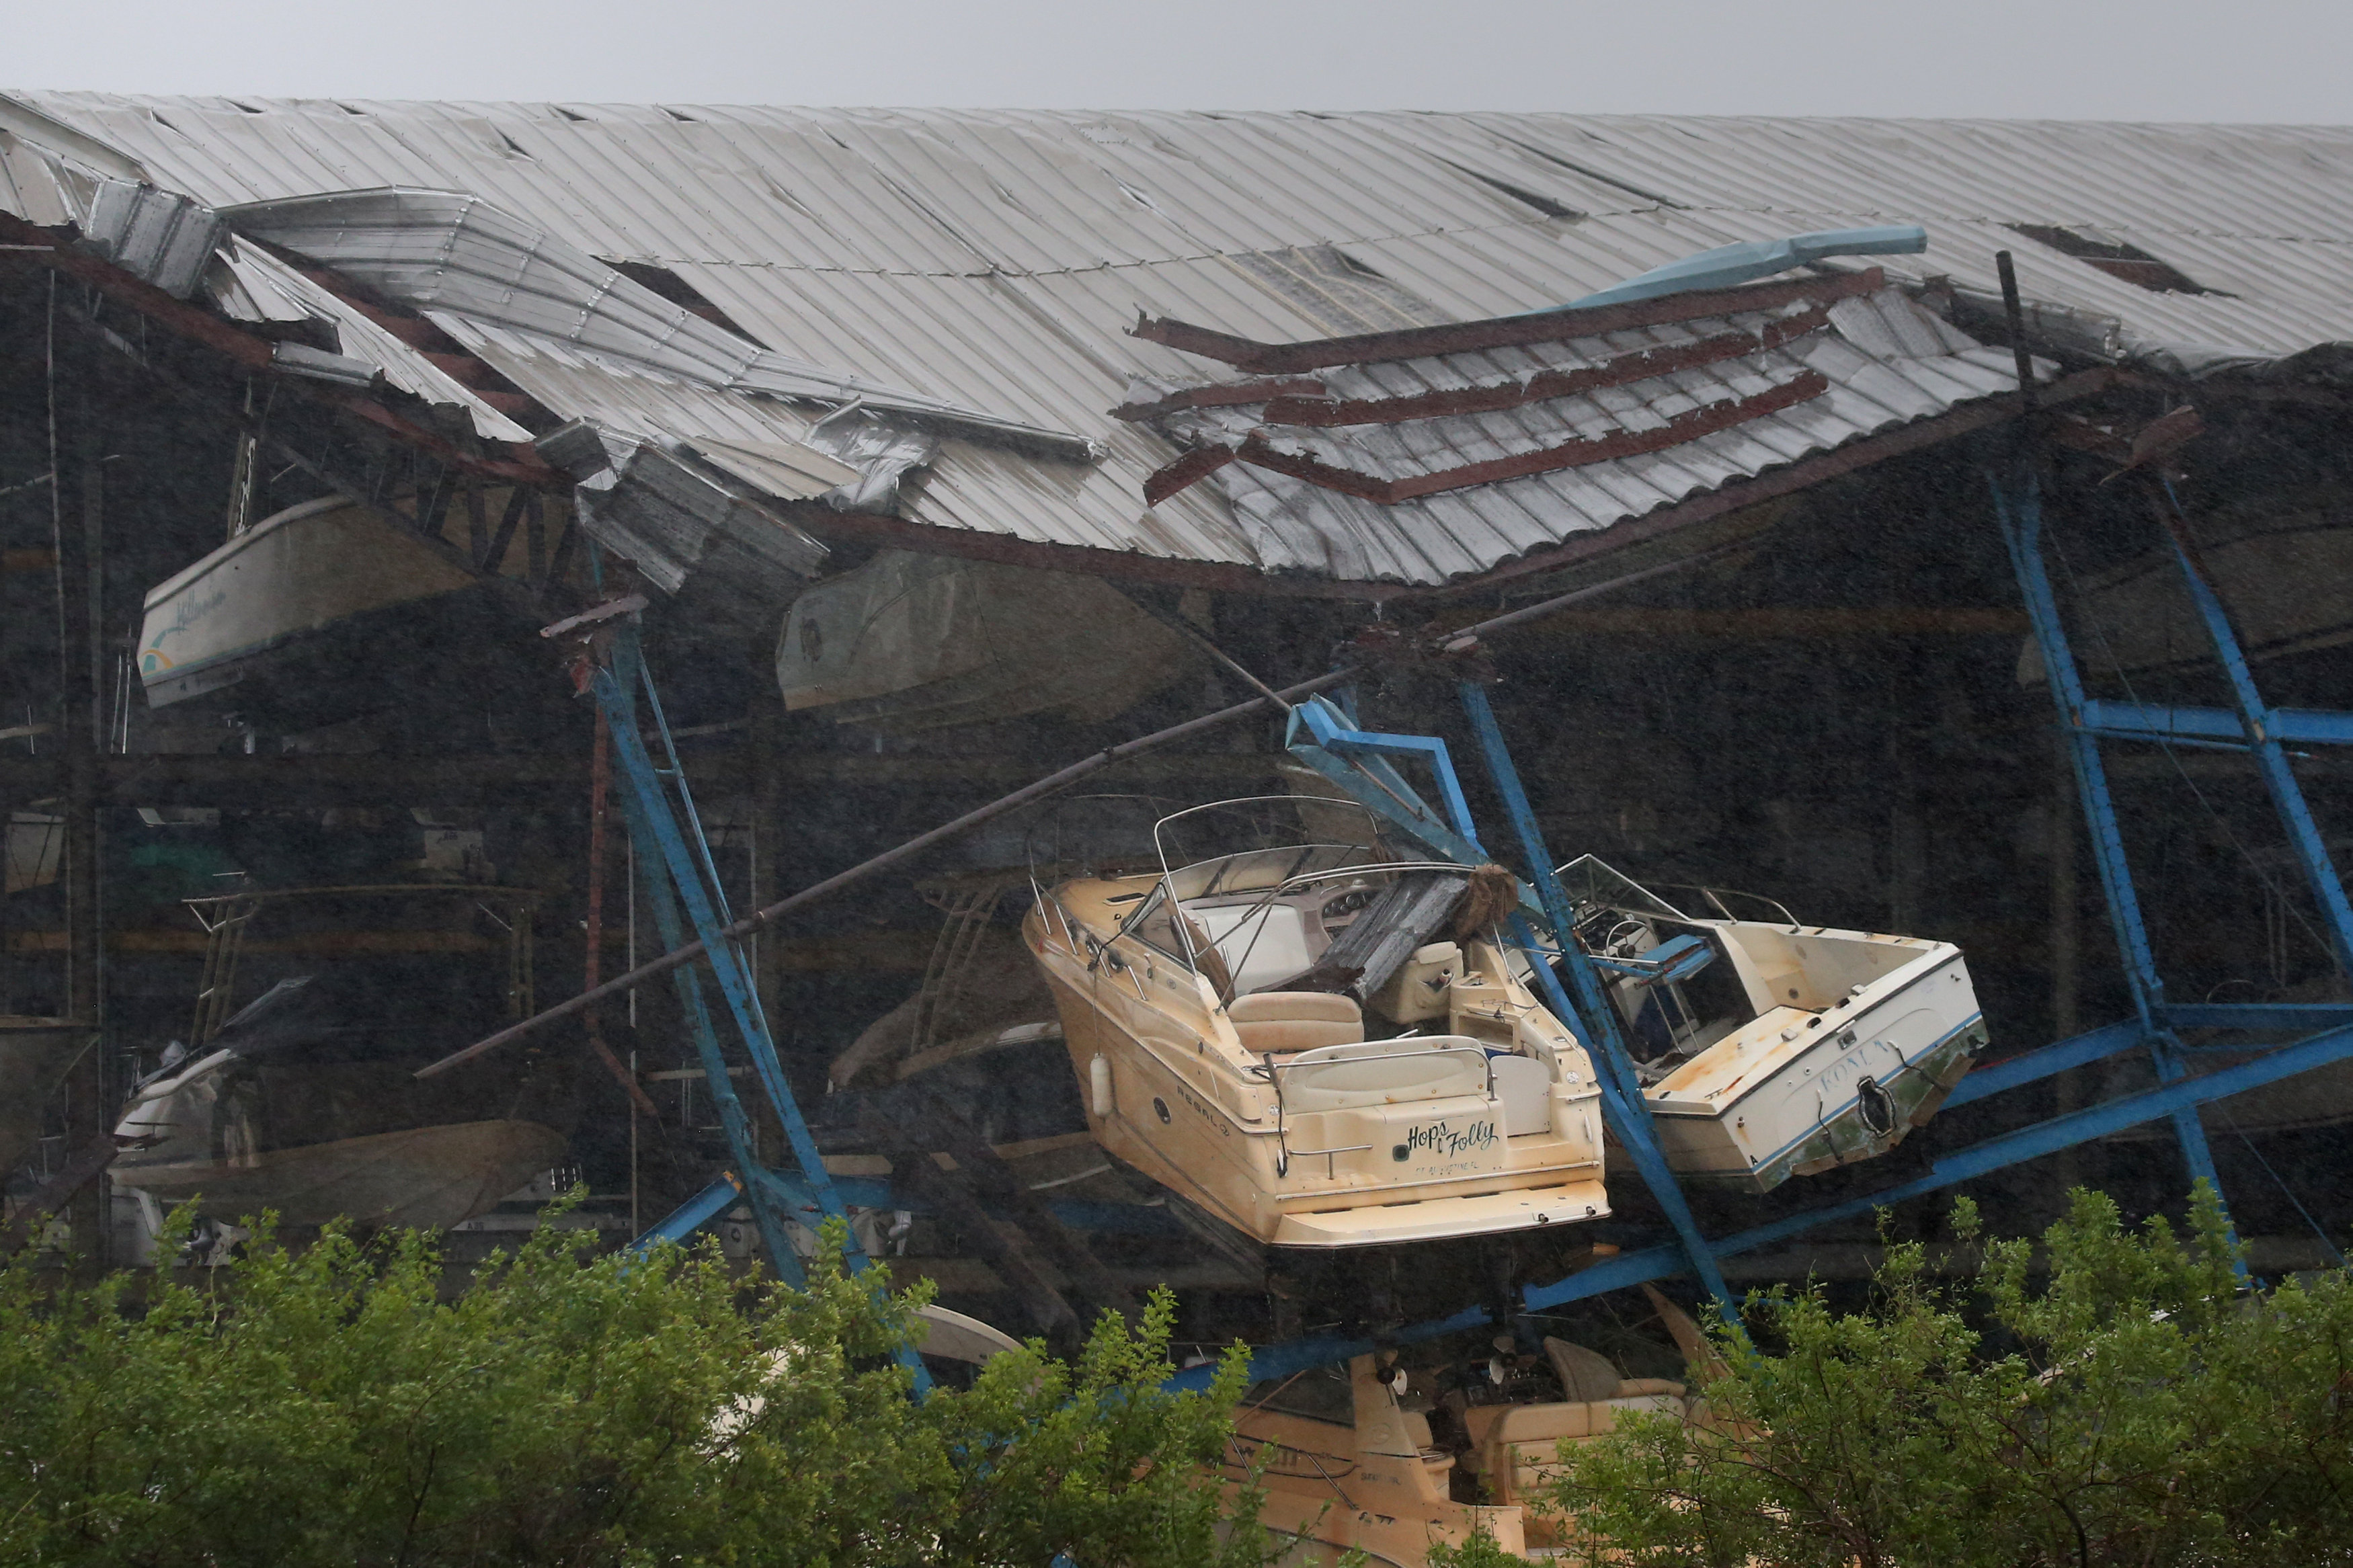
860	460
990	260
691	530
448	251
247	283
155	235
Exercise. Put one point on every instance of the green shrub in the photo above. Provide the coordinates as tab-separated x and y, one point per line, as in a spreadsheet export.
2139	1407
326	1406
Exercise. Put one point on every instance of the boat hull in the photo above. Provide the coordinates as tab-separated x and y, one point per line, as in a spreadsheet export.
1801	1091
1423	1169
326	611
426	1177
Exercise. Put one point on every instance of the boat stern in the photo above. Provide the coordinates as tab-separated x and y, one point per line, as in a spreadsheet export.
1799	1093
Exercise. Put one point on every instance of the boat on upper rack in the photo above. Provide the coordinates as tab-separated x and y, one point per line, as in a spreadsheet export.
1322	1042
302	1101
1768	1049
333	607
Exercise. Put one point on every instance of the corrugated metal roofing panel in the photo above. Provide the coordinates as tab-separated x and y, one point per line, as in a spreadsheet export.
1884	361
274	291
994	258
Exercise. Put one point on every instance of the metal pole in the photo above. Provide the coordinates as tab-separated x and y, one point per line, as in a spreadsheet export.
78	566
2263	739
1051	785
2020	513
1594	1018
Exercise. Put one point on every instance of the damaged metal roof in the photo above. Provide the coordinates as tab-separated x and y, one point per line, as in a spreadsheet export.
1413	456
990	262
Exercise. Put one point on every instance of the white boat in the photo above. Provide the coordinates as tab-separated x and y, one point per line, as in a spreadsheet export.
1769	1048
317	612
909	642
427	1177
302	1102
1321	1043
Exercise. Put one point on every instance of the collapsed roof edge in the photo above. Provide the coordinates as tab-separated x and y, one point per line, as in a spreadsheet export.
453	251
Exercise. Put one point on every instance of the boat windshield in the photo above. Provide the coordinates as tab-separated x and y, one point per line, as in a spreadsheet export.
1593	885
1261	826
1259	870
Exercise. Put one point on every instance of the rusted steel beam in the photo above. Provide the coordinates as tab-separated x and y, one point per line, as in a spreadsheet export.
1222	394
1324	412
1116	565
1775	483
525	468
1797	624
1499	332
1706	419
184	320
1197	463
254	352
408	326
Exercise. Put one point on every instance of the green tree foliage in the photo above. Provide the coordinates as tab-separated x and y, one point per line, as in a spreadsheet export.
2138	1407
328	1407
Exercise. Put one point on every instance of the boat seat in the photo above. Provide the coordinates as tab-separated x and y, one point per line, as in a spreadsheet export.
1585	1375
1284	1022
1385	1072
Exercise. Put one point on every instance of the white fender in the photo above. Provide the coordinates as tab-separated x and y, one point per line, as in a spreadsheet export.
1098	1083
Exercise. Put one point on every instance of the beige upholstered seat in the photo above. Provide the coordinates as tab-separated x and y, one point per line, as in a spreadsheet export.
1284	1022
1584	1374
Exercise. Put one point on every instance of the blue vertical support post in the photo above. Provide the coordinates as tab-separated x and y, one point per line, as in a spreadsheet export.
663	905
650	816
1591	1014
2262	741
2018	508
692	879
705	906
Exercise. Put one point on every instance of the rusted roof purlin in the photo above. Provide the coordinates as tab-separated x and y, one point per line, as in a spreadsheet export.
1326	411
1257	450
521	466
1501	332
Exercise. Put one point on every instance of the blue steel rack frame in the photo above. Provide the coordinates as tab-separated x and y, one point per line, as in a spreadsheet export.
1356	761
675	872
681	880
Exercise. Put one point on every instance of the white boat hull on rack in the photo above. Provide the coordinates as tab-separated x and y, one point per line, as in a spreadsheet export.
1858	1038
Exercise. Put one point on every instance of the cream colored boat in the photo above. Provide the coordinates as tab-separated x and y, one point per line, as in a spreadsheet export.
1768	1049
1298	1037
1369	1461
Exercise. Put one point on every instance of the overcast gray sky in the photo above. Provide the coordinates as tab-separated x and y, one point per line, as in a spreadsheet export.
2281	60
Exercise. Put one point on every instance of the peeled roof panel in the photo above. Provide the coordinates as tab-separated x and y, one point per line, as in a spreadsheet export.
995	258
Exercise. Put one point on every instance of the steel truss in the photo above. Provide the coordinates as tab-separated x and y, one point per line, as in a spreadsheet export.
1358	762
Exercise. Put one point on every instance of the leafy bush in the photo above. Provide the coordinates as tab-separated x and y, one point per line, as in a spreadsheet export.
2139	1407
328	1407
